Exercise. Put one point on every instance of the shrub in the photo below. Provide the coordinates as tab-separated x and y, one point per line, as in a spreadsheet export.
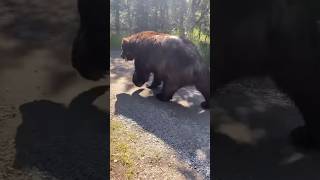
115	41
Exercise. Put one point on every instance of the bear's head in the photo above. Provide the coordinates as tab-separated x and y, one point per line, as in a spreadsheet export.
127	50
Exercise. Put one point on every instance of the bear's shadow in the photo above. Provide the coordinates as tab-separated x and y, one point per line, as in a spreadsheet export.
64	142
267	152
185	129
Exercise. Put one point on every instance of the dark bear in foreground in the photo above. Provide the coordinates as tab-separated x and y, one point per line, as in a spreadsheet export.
173	60
275	38
89	50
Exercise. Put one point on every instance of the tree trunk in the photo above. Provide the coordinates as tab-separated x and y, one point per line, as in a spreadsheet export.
129	16
117	16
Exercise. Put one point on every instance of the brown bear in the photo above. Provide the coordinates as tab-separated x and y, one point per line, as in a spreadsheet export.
173	60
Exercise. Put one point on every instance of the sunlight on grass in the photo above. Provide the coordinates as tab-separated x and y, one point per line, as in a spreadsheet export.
122	155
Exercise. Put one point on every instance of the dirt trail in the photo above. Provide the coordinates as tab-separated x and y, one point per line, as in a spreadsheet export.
179	128
42	135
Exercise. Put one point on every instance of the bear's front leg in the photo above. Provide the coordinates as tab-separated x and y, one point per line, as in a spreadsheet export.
167	91
155	83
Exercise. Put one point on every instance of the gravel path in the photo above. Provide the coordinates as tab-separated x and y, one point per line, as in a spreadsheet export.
181	125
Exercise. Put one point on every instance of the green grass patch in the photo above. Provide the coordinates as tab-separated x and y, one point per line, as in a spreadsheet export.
121	153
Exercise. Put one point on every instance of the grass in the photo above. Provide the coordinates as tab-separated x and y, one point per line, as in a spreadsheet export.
128	156
121	153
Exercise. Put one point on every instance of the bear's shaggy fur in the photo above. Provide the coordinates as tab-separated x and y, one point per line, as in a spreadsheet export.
173	60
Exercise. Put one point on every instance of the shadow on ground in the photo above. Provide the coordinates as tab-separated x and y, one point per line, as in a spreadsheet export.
65	142
251	140
185	129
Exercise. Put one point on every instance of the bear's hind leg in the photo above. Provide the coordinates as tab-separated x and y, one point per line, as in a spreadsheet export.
205	91
202	83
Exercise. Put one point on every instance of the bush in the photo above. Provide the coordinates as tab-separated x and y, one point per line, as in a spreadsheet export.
199	36
115	41
202	41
